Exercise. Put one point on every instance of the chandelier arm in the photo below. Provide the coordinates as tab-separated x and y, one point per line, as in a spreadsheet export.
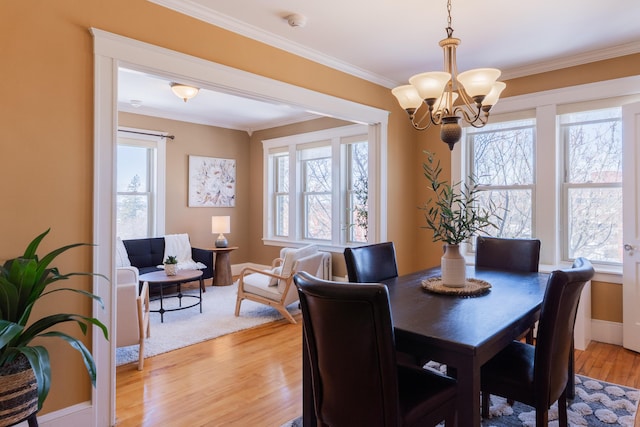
468	114
476	120
417	123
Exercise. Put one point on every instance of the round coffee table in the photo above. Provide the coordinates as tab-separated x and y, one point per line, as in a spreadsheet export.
160	280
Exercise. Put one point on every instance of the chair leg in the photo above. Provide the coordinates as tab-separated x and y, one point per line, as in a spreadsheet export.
542	417
485	404
238	302
32	420
286	314
529	336
562	410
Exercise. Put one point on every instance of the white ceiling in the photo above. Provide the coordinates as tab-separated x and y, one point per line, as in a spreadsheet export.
387	41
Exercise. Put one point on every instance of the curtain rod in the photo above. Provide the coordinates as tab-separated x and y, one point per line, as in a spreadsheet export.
150	134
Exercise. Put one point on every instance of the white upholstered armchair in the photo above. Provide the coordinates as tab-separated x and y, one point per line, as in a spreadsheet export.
275	287
132	320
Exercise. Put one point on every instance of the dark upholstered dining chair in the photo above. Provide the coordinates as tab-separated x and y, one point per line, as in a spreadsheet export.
538	375
371	263
511	255
351	348
508	254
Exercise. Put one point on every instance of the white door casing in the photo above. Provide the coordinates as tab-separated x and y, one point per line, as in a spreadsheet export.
631	226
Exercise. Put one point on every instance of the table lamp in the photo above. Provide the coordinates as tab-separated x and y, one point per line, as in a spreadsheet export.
221	225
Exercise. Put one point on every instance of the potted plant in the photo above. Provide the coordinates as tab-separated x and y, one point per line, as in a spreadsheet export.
454	217
171	265
24	281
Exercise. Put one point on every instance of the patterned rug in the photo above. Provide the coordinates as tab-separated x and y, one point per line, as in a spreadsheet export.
597	404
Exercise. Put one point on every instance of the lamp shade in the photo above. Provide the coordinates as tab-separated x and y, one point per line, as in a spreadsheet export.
478	82
220	224
184	91
407	97
493	96
430	85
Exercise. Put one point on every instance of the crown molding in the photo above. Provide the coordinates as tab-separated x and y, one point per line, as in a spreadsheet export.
210	16
572	61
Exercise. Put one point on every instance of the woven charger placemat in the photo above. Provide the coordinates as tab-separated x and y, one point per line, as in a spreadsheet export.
472	287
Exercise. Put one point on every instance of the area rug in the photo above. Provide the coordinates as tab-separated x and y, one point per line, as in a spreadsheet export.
186	327
596	404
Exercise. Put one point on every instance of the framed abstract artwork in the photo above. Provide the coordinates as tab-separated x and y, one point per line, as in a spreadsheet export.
212	182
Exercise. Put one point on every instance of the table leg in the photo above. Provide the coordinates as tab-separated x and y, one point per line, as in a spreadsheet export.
468	376
161	311
222	274
201	290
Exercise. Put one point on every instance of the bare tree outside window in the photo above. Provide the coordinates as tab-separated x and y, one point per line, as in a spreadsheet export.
316	192
593	184
358	190
503	164
133	213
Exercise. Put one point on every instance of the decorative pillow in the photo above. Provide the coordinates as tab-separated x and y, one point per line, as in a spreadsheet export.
289	260
122	258
291	255
277	271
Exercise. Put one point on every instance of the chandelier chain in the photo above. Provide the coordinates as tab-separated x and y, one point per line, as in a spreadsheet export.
449	28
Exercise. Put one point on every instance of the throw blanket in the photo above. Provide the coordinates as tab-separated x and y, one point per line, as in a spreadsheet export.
178	245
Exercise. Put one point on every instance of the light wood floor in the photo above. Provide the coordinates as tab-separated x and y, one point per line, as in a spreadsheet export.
253	378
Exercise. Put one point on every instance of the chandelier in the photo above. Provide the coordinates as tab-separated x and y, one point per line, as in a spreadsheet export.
437	92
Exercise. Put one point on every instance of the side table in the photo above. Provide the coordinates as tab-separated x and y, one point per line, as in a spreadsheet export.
222	275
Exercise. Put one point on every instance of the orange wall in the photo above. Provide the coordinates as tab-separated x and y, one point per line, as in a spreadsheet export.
47	123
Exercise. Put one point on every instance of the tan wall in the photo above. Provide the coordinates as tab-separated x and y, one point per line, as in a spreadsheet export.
208	141
47	123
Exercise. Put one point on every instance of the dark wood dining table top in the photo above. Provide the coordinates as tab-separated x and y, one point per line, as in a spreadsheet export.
475	325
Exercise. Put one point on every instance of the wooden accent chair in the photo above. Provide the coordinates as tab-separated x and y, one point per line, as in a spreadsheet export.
371	263
275	287
511	255
132	321
538	375
356	380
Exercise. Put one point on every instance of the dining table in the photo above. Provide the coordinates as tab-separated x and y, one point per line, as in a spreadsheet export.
461	332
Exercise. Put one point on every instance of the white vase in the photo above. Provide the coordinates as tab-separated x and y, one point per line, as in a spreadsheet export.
453	268
171	269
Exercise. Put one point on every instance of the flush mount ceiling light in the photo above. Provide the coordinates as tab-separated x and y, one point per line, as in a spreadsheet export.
184	92
477	89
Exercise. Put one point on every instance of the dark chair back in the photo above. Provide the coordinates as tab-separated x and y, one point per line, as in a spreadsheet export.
371	263
555	328
350	339
508	254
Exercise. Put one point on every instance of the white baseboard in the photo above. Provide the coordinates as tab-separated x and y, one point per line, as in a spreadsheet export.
606	332
76	415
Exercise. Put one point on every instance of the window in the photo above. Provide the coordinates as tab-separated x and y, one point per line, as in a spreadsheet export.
317	187
140	189
592	143
564	188
503	167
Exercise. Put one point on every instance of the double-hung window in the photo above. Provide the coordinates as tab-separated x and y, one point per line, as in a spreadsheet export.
503	166
317	187
564	187
140	187
592	142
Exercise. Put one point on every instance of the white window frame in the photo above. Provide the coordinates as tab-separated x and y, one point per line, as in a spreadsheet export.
335	137
157	173
469	166
567	186
549	159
